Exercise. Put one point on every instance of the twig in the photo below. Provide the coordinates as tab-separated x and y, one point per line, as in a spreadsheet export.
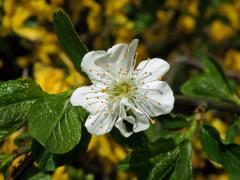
195	64
188	104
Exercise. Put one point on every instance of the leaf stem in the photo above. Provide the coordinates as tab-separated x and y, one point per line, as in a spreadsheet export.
191	130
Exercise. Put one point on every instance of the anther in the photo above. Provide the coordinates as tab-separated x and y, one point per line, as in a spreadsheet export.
153	121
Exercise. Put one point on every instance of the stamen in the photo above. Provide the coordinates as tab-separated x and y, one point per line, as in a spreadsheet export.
134	102
145	65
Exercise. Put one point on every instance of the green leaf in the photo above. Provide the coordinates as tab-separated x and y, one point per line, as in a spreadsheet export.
232	130
226	154
5	160
146	162
40	176
43	158
171	122
16	100
69	38
183	168
56	124
136	140
79	150
160	160
211	84
75	174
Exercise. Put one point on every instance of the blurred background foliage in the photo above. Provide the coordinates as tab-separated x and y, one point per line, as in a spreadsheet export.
175	30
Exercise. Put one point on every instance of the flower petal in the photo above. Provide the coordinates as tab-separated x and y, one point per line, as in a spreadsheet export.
141	123
121	57
122	127
123	116
117	52
151	70
115	56
90	98
89	64
155	98
102	122
131	55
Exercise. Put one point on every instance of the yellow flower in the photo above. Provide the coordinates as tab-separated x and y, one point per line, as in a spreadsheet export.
220	126
172	4
112	8
57	2
17	13
107	150
47	48
237	5
192	7
217	123
60	173
218	177
154	35
120	19
219	32
98	42
16	162
208	117
1	176
9	144
197	160
94	16
31	33
22	61
231	13
142	53
74	79
94	22
49	78
232	60
164	17
123	35
186	24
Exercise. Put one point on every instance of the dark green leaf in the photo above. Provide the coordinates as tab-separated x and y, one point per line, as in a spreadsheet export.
5	160
183	168
171	122
76	174
40	176
227	155
56	124
232	130
211	84
79	150
43	158
160	160
69	38
16	99
213	69
134	141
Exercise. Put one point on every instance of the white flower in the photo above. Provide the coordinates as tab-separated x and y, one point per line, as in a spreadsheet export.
121	93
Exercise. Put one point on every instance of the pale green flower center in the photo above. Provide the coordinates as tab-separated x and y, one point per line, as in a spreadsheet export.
123	88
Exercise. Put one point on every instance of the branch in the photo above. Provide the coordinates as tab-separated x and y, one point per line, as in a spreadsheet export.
188	104
195	64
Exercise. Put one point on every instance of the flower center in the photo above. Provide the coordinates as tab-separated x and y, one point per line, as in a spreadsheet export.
123	88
